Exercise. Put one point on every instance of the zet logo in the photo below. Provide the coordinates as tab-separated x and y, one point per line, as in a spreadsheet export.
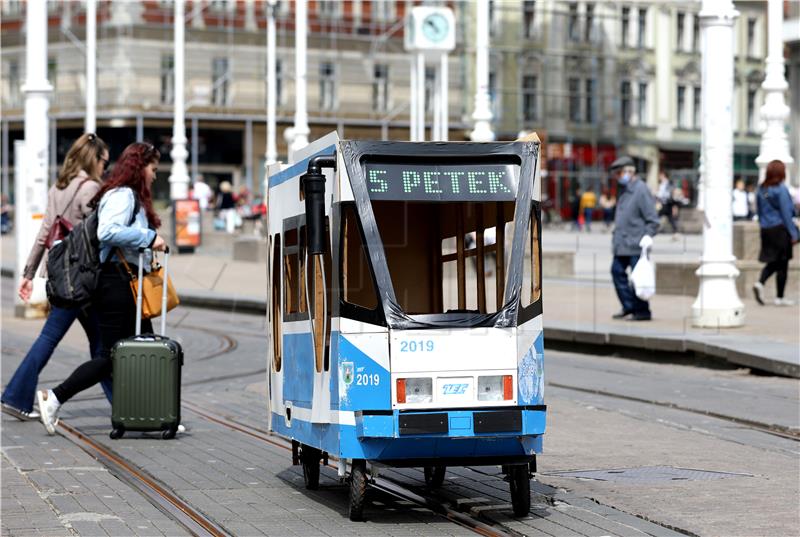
347	372
454	389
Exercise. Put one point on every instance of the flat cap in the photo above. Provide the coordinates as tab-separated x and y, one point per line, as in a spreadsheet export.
622	162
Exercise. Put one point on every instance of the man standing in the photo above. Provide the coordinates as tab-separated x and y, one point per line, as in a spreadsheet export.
201	192
635	224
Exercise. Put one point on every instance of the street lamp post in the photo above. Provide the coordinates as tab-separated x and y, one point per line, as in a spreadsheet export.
30	190
179	174
299	133
271	155
774	142
717	303
483	110
91	66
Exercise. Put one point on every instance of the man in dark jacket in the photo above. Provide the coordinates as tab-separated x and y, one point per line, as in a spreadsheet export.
635	223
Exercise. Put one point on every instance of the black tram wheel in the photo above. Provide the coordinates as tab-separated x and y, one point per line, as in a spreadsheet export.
520	481
434	476
358	490
309	458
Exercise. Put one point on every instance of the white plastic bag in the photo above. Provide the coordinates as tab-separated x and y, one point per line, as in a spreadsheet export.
643	276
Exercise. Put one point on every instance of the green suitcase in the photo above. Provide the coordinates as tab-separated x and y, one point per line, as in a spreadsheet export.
147	378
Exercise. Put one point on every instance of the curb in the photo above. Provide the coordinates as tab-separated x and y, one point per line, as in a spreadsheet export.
609	342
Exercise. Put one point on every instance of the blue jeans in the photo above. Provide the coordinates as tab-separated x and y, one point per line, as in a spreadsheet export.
630	302
21	389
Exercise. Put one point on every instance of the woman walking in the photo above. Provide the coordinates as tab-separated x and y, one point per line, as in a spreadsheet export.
778	231
78	182
126	222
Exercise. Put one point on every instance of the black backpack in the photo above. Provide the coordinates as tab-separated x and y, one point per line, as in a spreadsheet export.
73	265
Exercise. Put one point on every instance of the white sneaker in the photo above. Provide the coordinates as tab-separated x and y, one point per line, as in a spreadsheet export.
784	302
758	290
48	407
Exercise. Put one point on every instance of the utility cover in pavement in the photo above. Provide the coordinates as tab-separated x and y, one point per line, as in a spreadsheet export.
646	474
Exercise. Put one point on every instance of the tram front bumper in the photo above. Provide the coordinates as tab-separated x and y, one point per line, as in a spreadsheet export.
483	422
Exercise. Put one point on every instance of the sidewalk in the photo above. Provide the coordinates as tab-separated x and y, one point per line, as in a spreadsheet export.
577	310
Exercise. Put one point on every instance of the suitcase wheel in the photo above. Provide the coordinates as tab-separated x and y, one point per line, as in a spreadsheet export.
169	434
116	433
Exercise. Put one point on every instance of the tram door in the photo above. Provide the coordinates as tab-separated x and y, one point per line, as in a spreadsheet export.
530	346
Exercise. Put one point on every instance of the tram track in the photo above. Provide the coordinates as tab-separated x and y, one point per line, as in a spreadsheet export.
767	428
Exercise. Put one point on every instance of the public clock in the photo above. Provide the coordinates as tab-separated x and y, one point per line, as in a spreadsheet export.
436	27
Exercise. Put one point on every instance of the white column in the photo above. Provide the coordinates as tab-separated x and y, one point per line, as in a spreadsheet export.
271	156
774	112
412	106
300	130
91	66
444	96
31	159
420	97
483	109
179	174
664	86
717	303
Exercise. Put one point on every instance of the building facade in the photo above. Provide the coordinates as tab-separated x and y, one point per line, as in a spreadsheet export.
595	79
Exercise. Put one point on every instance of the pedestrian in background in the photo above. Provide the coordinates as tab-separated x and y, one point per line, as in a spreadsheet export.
778	231
126	222
739	205
587	206
635	224
201	192
577	217
78	182
607	203
667	205
226	204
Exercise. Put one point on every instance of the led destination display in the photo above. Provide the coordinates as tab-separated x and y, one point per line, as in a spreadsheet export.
442	182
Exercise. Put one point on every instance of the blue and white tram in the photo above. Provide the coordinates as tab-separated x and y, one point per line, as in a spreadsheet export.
405	313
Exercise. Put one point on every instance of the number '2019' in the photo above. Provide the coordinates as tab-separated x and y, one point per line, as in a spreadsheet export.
423	345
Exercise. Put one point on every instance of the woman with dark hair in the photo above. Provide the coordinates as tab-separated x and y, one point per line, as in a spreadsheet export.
778	231
78	182
126	222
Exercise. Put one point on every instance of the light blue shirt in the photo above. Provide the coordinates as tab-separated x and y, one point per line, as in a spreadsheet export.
115	230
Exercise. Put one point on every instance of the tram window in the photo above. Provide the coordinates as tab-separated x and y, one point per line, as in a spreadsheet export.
291	269
531	284
276	303
357	283
320	295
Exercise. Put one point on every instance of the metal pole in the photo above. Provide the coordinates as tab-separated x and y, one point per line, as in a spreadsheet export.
179	175
195	148
437	112
483	110
445	98
139	128
420	97
717	303
774	112
412	107
31	159
91	66
301	130
271	156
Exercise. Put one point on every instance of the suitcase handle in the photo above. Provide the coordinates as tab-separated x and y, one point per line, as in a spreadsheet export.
163	292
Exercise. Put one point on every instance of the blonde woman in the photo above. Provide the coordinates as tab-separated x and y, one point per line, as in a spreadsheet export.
78	182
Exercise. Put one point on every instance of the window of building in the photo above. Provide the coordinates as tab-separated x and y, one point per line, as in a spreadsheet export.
430	88
278	82
528	18
642	30
751	37
380	88
574	100
13	83
492	17
589	29
681	24
572	22
52	72
167	79
696	33
681	106
327	86
219	6
591	115
329	9
626	24
12	8
625	102
220	78
383	10
696	117
641	103
751	110
530	110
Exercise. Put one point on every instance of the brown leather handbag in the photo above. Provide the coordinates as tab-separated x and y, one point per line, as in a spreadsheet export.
152	289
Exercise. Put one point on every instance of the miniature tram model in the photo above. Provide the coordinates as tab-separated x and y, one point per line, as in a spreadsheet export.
405	309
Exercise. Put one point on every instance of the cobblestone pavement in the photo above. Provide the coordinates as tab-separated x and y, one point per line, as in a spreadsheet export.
51	487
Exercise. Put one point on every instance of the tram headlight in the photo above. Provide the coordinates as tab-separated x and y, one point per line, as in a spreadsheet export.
496	388
415	390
